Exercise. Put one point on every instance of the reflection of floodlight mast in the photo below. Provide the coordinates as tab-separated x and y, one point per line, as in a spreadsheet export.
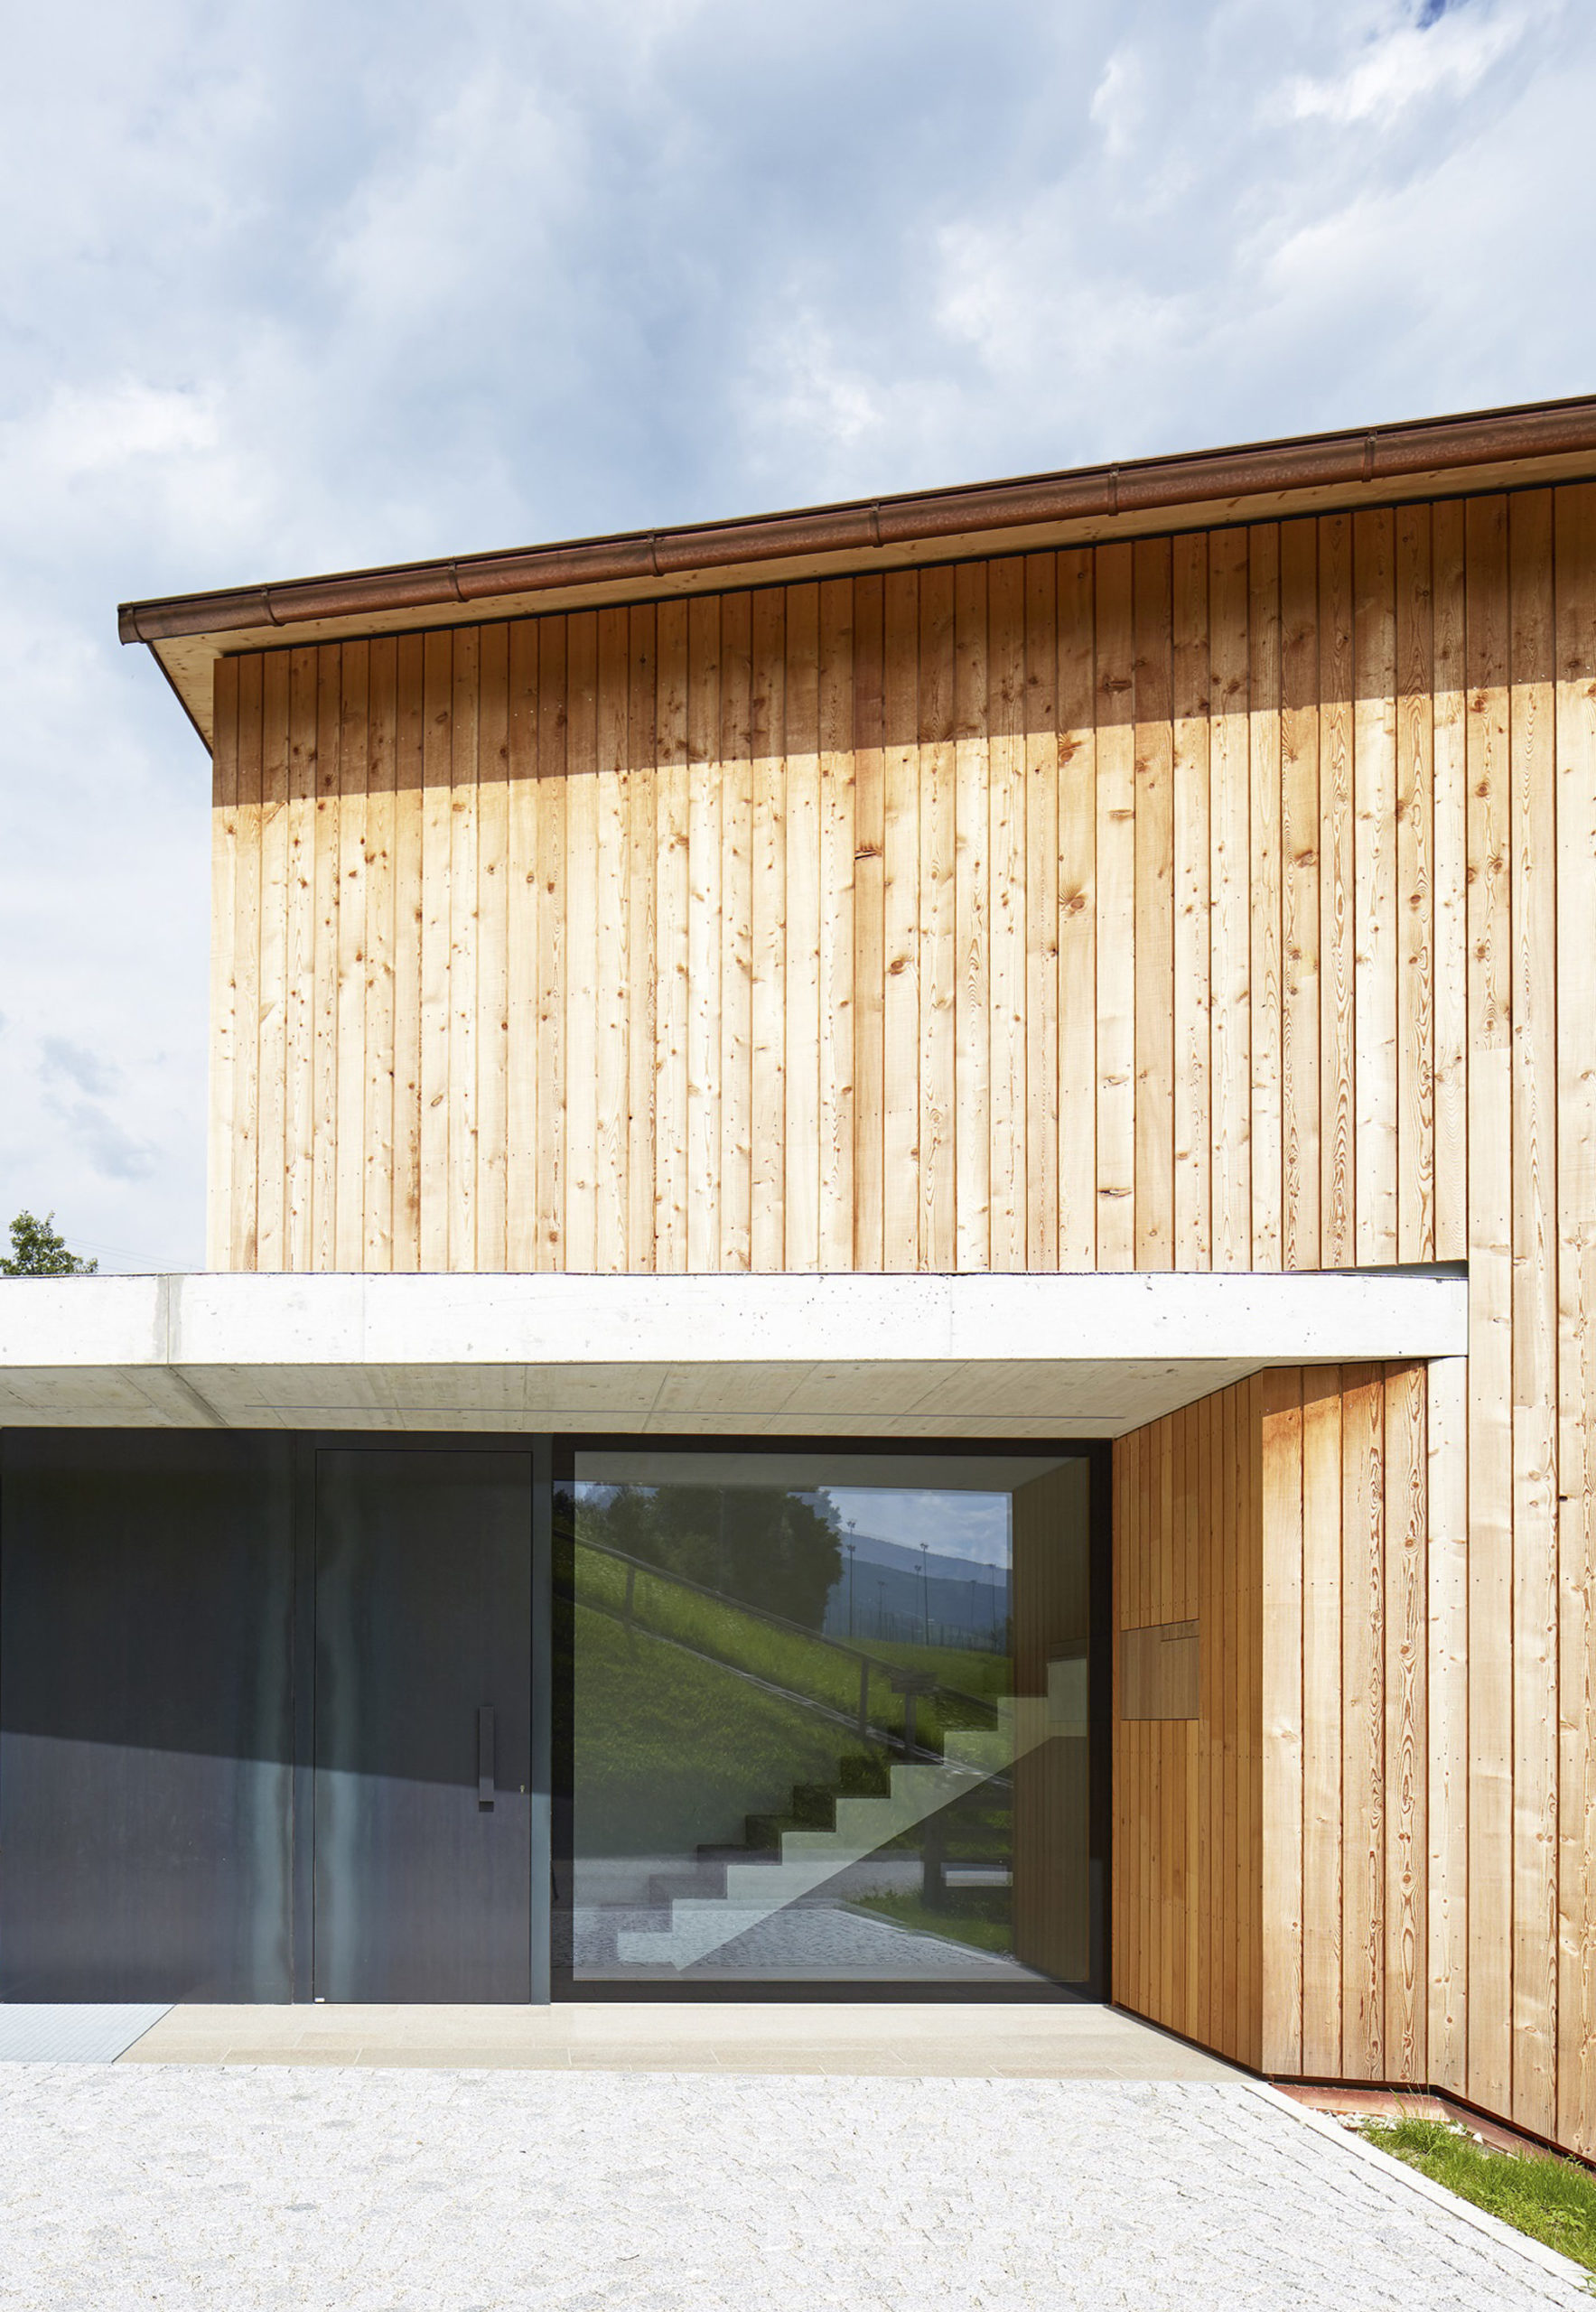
881	1605
851	1546
925	1597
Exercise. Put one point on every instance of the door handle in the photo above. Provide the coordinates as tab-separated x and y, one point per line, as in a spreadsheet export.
485	1758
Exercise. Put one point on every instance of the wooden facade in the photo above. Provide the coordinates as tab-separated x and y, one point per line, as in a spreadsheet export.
1225	900
1276	1891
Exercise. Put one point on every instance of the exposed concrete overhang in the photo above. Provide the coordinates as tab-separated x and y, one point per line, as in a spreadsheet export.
973	1356
1482	449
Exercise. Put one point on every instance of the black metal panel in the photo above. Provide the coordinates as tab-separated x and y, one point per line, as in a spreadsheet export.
423	1620
145	1727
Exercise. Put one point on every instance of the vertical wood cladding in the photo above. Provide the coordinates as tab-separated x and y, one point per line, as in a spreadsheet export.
1226	900
1102	909
1272	1855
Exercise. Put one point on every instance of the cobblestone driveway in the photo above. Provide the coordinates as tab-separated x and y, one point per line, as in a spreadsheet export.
431	2191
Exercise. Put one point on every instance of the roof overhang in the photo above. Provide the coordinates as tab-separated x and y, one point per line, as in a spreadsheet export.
1487	450
785	1356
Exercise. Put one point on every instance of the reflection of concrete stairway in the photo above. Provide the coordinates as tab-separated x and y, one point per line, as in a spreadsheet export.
756	1891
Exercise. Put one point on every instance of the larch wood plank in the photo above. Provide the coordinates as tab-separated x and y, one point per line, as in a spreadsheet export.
1248	1697
556	924
1374	845
530	901
1490	1304
226	840
625	945
802	1190
705	944
1415	889
1535	993
1265	970
667	1221
1145	1736
770	930
1299	893
1229	981
493	994
1449	779
1227	1828
1406	1935
1337	1210
277	812
409	914
654	817
1322	1723
1040	841
350	931
1006	1151
1154	954
299	1103
1281	1699
324	847
464	850
972	1097
736	1065
437	710
1363	1729
242	1243
1197	1830
1207	1732
1116	908
869	924
1447	1715
583	916
1192	1122
381	1032
939	949
1575	642
1167	1737
900	1020
837	960
1077	910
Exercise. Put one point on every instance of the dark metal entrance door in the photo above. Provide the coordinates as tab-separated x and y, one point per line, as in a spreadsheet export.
422	1725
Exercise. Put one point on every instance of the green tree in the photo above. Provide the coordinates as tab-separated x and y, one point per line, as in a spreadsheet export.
37	1250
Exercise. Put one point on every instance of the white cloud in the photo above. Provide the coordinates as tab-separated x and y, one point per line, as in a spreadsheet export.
1448	55
508	273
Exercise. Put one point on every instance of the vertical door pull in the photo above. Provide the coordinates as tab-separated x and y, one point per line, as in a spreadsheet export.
485	1757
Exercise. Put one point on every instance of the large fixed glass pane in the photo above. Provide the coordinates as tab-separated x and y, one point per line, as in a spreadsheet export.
829	1717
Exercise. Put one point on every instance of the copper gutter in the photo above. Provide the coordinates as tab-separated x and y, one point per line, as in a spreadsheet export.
1369	457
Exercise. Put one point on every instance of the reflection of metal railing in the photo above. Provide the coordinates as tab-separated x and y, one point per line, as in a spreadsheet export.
907	1682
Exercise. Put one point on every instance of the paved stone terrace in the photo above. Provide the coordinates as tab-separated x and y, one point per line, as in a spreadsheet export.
400	2190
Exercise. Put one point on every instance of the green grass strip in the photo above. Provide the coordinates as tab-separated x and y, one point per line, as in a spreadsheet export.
1551	2200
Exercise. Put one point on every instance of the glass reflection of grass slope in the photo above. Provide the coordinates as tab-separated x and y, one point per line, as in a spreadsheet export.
700	1722
820	1672
673	1752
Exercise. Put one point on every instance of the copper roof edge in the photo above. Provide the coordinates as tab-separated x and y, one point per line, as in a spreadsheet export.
1365	454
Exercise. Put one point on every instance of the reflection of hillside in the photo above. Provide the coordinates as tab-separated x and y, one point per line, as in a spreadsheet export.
952	1602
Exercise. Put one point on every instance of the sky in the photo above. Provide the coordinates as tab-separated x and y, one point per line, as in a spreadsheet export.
291	288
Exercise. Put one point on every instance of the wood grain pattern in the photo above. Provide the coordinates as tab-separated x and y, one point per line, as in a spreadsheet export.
1575	673
1490	1311
1222	899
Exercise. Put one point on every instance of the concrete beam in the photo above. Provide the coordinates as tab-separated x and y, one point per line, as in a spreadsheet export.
787	1355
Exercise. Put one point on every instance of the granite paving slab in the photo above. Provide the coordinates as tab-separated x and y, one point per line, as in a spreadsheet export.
411	2191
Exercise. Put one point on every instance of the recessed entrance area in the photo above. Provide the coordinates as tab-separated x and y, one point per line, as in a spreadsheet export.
328	1718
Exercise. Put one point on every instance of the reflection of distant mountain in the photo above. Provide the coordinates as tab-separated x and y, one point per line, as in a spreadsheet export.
953	1602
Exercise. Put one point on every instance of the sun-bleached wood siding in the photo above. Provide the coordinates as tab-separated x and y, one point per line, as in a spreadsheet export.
1096	909
1225	899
